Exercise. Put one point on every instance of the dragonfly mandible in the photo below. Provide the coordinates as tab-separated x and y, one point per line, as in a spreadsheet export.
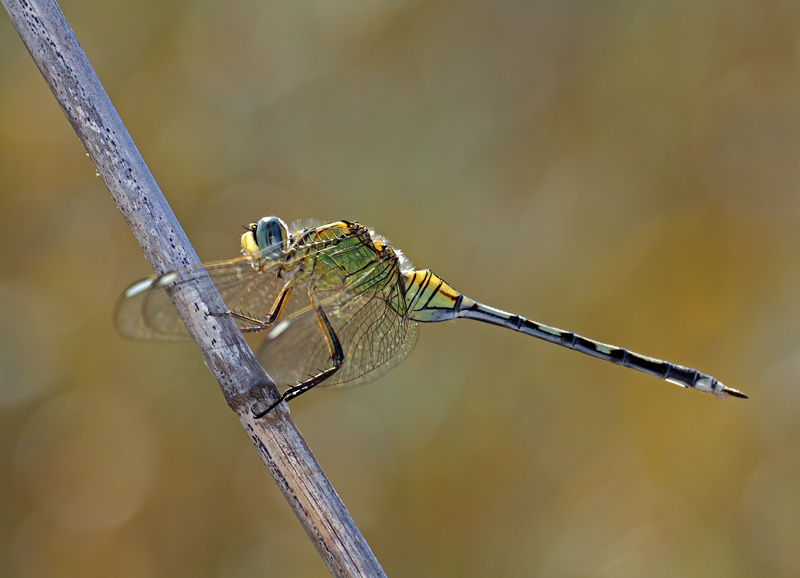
340	307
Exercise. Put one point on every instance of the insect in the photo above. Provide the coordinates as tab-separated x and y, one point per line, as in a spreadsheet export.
340	306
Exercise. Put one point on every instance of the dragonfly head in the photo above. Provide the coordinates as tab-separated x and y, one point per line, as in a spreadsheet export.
266	238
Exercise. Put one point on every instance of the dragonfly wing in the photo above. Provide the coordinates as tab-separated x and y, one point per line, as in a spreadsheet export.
374	337
131	322
145	311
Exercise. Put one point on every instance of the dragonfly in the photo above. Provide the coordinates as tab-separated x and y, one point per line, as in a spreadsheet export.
340	307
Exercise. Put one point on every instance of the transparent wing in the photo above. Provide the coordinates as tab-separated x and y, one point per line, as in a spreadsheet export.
145	312
374	337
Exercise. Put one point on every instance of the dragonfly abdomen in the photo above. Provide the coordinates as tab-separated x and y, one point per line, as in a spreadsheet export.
427	298
677	374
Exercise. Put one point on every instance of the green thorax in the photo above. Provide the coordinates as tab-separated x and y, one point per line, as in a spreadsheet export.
343	257
347	259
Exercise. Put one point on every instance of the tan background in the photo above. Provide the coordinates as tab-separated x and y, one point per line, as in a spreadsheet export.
627	170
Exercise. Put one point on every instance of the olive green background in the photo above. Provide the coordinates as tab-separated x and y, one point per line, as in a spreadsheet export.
626	170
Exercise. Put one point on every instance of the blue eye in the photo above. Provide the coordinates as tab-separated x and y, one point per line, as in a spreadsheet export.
271	235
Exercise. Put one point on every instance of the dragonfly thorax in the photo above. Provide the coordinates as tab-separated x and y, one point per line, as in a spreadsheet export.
330	258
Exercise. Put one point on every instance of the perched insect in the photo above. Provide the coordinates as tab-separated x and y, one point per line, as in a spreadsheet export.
340	306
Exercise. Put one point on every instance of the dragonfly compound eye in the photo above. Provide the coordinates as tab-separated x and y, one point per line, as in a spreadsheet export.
271	234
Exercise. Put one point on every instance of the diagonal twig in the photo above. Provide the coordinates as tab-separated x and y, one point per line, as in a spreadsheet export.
67	71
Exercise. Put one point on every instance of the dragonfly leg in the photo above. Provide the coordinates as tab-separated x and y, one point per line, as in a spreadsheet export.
337	357
259	324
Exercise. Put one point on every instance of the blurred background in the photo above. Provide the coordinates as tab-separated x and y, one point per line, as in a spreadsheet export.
626	170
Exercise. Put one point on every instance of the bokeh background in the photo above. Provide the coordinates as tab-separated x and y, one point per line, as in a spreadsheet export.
627	170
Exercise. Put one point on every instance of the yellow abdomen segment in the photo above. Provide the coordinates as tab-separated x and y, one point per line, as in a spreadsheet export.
429	298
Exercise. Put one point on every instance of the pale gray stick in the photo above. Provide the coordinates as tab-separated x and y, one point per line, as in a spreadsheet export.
67	71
